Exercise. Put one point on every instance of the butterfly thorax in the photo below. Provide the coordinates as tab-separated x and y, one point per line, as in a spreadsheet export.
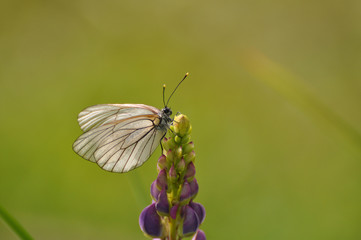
165	119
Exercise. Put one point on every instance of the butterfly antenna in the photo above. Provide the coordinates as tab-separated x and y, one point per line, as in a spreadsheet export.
177	87
163	95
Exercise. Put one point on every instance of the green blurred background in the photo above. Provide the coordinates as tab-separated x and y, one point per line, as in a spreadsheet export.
273	96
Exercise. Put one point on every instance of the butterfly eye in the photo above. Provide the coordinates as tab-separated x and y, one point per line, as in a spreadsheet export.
167	111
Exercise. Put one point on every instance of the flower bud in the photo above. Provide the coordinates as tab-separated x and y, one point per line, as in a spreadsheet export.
186	192
178	152
154	191
181	125
199	235
171	143
190	157
162	180
199	209
162	205
172	173
162	163
177	139
190	172
165	144
193	185
190	130
150	222
170	156
173	211
185	139
187	148
191	221
181	165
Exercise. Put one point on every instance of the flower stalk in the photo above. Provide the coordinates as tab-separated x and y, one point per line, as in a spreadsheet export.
173	214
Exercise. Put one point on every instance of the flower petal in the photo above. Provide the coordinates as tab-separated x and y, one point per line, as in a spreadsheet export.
162	205
172	173
173	211
191	221
162	163
199	209
150	222
194	187
186	192
190	172
199	235
154	191
162	179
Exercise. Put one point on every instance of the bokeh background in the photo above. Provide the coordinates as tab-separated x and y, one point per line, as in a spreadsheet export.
274	97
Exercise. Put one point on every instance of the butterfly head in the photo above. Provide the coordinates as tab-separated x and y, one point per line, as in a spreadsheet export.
167	111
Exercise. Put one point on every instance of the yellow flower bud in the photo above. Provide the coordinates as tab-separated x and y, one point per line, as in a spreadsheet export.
181	125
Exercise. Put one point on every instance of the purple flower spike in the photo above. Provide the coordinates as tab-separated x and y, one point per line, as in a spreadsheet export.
199	209
150	222
154	191
173	214
199	235
162	180
173	211
194	187
162	205
186	192
191	172
191	221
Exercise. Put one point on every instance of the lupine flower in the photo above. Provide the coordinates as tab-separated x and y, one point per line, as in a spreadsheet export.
199	235
150	222
173	214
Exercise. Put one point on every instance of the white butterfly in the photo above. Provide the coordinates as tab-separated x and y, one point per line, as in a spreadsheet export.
121	137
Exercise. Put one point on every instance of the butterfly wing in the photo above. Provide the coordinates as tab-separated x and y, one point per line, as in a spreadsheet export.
101	114
119	140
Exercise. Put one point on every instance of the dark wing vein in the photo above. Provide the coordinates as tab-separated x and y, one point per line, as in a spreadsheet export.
130	155
108	150
82	137
145	145
106	135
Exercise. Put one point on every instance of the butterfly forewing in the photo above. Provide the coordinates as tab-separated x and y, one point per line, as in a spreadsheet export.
101	114
119	137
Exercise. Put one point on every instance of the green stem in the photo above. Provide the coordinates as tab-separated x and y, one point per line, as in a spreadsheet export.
172	229
14	225
172	222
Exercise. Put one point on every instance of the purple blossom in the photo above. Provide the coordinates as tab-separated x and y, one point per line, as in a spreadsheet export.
150	222
162	204
162	179
199	235
154	191
199	209
194	187
190	172
191	221
173	211
186	192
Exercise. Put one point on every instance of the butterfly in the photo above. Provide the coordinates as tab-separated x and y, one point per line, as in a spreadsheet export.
122	137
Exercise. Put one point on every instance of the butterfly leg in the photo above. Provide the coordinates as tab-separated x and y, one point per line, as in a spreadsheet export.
160	141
